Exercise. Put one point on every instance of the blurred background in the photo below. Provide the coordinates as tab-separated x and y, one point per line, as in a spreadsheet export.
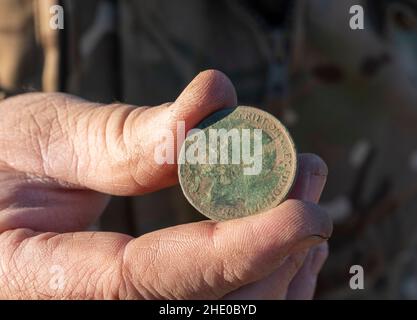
348	95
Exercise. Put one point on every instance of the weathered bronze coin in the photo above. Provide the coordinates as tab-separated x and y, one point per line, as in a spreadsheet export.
237	162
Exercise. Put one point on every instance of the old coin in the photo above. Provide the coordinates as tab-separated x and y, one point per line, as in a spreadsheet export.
237	162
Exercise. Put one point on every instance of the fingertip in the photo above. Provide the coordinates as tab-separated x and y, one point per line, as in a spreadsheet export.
209	91
268	237
214	86
311	178
303	219
286	225
313	164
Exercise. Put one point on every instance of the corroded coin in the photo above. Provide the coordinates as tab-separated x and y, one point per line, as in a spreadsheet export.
237	162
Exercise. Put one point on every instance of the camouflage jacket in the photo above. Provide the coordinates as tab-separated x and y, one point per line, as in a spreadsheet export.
348	95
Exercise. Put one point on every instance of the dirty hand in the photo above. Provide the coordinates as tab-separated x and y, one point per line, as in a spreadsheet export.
62	156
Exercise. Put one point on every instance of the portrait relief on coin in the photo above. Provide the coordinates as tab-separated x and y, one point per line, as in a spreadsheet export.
237	162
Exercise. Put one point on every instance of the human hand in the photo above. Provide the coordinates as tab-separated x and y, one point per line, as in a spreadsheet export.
60	158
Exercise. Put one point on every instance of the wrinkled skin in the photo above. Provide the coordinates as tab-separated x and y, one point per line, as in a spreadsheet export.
61	157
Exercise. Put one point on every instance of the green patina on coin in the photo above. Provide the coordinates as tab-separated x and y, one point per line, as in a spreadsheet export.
223	190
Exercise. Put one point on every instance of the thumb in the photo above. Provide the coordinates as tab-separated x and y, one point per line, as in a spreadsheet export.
210	259
107	148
